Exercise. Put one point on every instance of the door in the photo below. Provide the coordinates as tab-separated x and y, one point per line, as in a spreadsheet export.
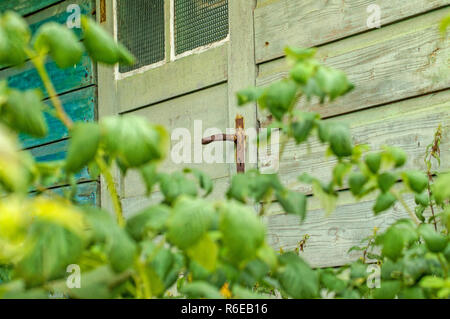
192	56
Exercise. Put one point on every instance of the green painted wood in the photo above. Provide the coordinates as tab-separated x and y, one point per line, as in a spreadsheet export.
306	23
64	80
57	152
25	7
80	106
87	193
59	14
396	62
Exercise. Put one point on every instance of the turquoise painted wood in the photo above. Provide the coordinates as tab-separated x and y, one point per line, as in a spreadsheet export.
25	7
87	193
61	16
57	152
64	80
80	106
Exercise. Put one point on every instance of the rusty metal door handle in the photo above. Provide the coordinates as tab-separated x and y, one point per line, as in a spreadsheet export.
239	140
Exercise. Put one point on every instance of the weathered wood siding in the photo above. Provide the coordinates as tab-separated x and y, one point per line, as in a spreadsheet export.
402	77
401	73
76	86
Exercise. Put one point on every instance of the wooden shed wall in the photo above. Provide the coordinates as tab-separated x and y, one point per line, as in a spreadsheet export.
77	87
401	72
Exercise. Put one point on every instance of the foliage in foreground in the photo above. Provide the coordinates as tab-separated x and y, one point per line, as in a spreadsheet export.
204	248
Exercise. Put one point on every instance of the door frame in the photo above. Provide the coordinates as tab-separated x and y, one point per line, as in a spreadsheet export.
233	62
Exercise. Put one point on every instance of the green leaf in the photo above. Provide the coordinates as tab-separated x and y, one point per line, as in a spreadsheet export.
384	202
152	219
303	71
416	180
395	155
356	182
279	98
190	220
120	248
297	278
386	181
54	248
441	188
83	146
300	54
324	131
303	127
60	42
432	282
14	37
250	94
201	289
243	233
23	112
175	185
149	175
239	188
339	171
293	203
373	161
101	45
240	292
340	140
389	289
205	252
422	199
393	243
434	241
327	200
204	180
333	83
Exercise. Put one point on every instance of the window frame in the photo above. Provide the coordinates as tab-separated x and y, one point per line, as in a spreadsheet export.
170	55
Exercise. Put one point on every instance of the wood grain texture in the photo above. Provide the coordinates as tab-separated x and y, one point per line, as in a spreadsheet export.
25	7
64	80
58	13
409	124
307	23
330	236
208	106
132	205
185	75
80	106
57	152
87	193
399	61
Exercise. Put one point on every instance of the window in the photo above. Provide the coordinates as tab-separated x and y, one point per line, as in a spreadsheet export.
193	24
140	26
199	22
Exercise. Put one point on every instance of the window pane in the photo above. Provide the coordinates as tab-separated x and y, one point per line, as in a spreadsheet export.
199	22
141	29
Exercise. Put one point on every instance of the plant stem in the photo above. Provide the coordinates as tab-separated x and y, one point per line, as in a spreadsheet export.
38	62
430	179
111	186
405	205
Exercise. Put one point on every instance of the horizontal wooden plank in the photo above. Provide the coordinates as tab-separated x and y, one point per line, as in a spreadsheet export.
132	205
64	80
188	74
208	106
25	7
57	152
87	193
409	124
307	23
389	64
59	13
330	237
80	106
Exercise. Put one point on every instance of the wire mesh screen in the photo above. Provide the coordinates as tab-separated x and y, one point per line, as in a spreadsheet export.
199	22
140	26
